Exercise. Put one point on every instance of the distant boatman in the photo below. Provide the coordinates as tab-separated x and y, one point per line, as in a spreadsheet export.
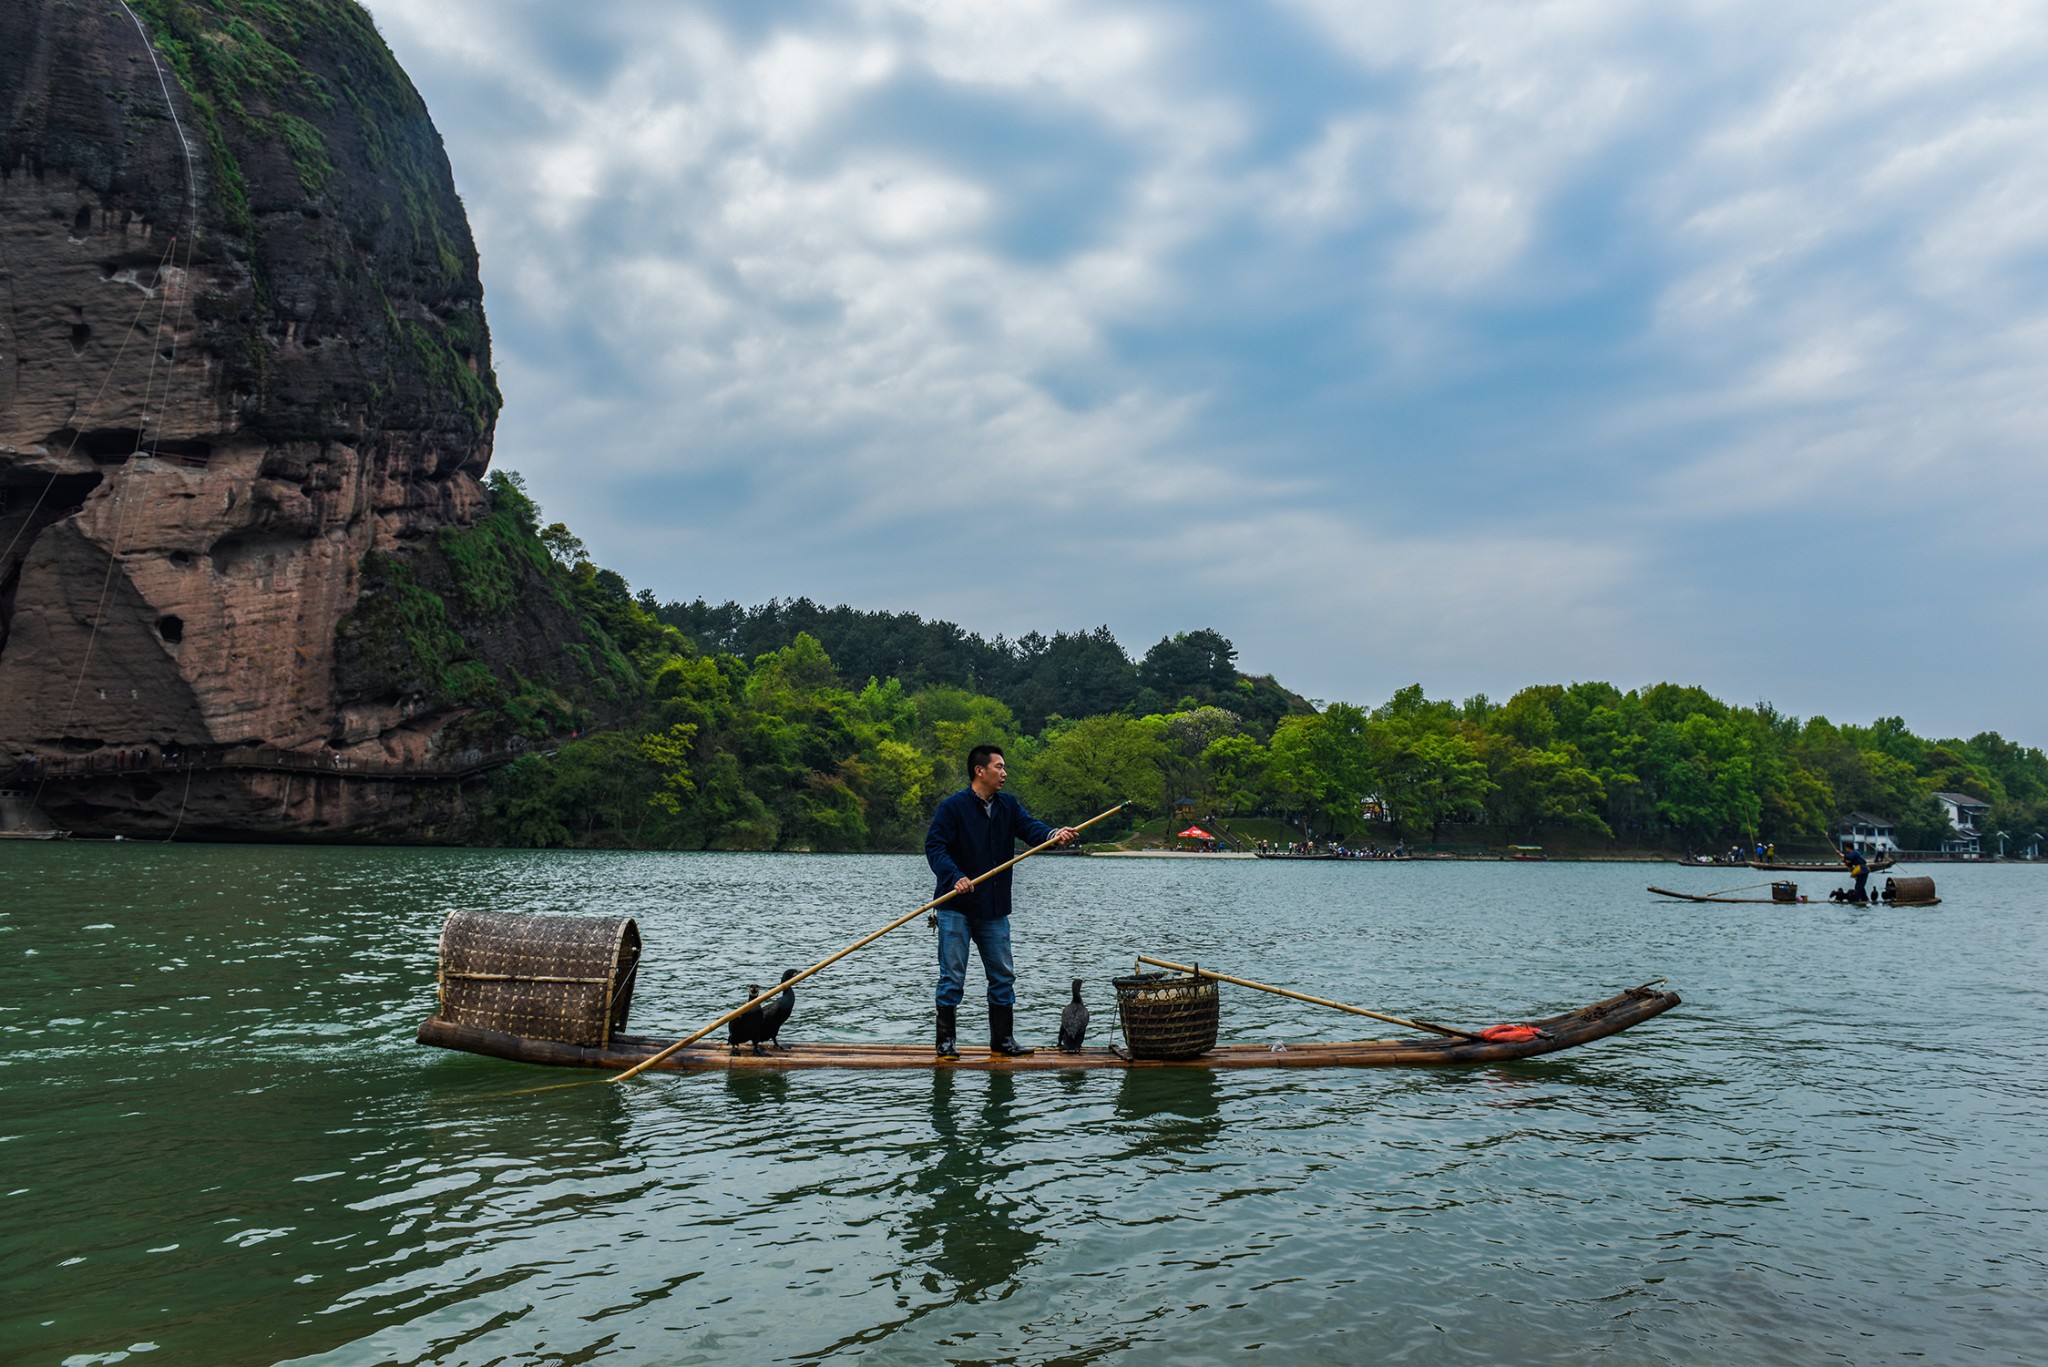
973	831
1859	869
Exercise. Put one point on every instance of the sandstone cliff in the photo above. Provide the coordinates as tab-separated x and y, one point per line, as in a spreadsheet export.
243	364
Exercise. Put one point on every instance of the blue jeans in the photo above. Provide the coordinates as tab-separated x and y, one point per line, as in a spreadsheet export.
991	935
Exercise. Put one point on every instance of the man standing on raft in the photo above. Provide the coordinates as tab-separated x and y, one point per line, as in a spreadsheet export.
972	832
1859	869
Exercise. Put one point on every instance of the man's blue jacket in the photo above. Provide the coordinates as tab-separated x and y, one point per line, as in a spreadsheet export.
967	840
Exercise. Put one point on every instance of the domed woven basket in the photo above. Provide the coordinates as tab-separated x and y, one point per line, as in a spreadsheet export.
563	978
1168	1016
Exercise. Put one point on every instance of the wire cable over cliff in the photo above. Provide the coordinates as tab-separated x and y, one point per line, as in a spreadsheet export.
152	428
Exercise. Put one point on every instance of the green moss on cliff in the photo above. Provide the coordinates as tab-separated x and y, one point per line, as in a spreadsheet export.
178	39
402	642
493	562
483	617
439	354
313	79
306	147
399	641
235	62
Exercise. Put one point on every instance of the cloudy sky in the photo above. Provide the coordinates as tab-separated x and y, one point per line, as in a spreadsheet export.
1474	344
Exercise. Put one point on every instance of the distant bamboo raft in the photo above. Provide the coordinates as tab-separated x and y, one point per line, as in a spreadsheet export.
1878	865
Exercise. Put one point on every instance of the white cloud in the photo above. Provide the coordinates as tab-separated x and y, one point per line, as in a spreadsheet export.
1569	287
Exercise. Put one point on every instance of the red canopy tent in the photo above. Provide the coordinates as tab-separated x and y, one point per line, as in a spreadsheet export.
1196	833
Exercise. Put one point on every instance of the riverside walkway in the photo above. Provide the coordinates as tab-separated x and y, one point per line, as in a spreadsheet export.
123	762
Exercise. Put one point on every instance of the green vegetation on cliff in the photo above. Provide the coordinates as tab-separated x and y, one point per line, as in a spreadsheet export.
313	80
484	618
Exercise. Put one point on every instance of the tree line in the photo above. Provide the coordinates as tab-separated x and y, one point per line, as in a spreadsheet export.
1038	677
795	726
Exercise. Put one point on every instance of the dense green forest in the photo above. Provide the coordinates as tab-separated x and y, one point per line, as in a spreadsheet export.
794	726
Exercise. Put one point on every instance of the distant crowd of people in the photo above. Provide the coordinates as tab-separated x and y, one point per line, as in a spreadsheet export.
121	760
1331	849
1736	855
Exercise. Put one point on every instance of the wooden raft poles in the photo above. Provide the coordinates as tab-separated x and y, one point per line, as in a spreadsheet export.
1565	1030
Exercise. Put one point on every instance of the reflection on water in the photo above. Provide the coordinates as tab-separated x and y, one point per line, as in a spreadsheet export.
1173	1110
963	1217
750	1088
221	1146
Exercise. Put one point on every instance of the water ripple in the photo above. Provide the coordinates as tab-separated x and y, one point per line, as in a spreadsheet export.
222	1147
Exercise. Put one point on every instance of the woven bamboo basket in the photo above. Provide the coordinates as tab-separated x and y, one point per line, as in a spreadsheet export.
1909	889
1783	891
563	978
1168	1016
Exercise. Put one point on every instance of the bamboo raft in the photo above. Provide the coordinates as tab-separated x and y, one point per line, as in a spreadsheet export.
1837	866
1897	892
556	990
1567	1030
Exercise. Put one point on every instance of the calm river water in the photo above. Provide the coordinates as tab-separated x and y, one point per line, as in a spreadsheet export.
220	1145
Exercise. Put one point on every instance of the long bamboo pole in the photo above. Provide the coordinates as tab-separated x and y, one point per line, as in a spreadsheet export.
644	1064
1305	997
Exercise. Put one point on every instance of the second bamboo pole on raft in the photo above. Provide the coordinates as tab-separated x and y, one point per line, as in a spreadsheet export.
1305	997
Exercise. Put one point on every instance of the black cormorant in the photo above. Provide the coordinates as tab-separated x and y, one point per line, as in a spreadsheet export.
775	1012
1073	1023
748	1027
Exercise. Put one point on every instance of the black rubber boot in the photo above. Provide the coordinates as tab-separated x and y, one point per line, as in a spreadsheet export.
1002	1038
948	1050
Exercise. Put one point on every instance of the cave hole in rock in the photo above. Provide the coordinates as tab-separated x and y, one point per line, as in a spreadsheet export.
31	500
81	222
171	628
113	445
81	333
102	445
187	451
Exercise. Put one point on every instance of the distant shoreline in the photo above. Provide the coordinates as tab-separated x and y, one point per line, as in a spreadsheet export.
1426	857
